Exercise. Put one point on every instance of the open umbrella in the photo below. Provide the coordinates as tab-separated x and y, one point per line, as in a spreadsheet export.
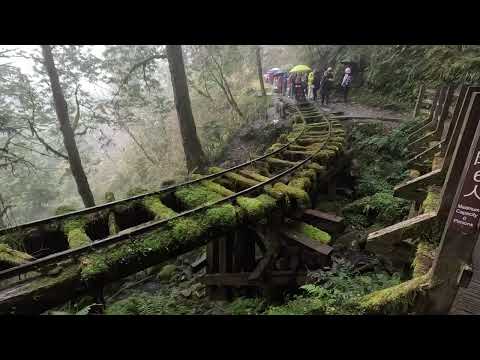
300	68
272	70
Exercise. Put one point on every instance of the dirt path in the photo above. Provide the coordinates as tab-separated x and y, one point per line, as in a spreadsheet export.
253	139
354	108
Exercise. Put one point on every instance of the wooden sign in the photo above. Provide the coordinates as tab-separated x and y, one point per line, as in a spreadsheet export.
467	210
459	210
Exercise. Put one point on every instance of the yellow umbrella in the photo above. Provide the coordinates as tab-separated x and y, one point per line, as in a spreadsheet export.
300	68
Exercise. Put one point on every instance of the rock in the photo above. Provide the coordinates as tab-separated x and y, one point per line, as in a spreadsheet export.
352	239
154	269
57	313
186	293
166	272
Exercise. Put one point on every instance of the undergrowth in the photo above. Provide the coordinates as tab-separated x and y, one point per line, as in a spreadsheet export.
335	293
381	157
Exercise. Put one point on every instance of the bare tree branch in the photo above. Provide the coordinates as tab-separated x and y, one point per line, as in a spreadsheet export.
141	63
44	143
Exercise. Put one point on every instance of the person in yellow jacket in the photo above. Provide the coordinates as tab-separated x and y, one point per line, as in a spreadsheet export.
310	85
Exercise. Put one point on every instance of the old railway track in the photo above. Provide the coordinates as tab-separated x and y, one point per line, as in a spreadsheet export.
84	254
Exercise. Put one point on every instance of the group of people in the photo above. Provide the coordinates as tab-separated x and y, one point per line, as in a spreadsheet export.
307	86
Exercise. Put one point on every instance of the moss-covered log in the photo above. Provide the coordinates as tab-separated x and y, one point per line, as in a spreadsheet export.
238	181
253	175
10	257
276	163
399	299
424	258
76	276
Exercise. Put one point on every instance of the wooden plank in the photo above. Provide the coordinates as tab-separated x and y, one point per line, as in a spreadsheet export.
447	101
455	118
331	223
415	188
397	232
307	242
431	121
436	101
428	153
420	98
320	215
457	129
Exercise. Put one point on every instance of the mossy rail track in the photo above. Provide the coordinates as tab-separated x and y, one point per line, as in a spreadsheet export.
301	111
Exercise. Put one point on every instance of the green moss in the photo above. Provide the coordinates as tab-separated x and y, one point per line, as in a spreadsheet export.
308	173
314	233
254	175
77	237
396	299
160	241
136	191
268	202
155	205
316	166
282	139
225	215
196	195
280	162
13	257
303	183
323	156
432	201
75	223
167	272
219	189
238	180
185	230
252	206
423	258
274	147
382	207
301	197
109	197
214	170
112	224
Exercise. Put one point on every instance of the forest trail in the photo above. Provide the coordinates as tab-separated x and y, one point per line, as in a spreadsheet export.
254	138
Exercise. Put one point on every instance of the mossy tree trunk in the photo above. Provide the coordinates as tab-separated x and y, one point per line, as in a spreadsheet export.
194	154
66	128
258	52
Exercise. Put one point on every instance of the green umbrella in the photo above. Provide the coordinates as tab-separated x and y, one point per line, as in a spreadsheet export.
300	68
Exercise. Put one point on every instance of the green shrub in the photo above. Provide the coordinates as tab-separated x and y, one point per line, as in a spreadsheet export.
335	293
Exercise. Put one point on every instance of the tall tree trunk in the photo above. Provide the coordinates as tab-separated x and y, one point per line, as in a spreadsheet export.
66	129
260	72
194	154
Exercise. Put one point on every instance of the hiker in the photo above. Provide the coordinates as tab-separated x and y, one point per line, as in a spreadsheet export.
305	85
291	81
310	85
326	85
347	80
299	87
316	83
285	83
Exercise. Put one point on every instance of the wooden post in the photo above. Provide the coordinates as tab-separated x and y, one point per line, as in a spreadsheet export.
212	265
439	107
434	106
419	100
444	113
332	189
457	129
461	231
